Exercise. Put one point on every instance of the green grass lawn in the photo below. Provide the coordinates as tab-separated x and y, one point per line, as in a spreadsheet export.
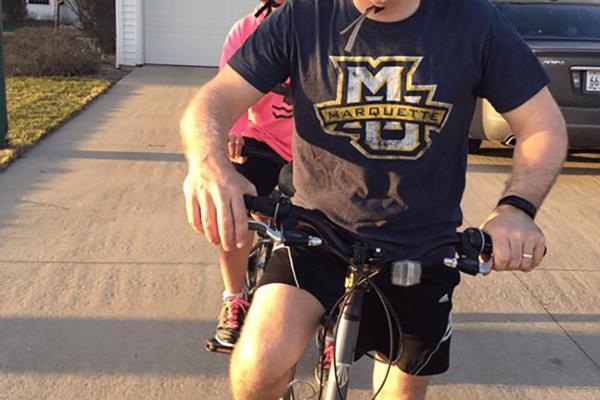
9	26
37	106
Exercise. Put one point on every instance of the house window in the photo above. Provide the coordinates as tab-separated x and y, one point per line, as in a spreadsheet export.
38	1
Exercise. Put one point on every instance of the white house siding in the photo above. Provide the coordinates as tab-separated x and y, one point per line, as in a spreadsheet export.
129	37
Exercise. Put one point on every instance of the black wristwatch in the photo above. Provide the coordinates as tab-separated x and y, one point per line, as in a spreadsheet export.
518	202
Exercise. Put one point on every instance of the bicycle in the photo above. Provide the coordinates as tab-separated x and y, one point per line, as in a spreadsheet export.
296	226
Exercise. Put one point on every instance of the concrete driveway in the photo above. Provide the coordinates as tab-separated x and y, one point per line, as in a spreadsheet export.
106	293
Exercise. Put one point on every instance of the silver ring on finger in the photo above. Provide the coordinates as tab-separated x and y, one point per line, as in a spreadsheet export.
527	256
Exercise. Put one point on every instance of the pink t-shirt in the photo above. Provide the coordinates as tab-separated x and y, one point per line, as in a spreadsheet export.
270	119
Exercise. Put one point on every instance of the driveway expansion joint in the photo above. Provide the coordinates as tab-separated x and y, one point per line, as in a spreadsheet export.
556	321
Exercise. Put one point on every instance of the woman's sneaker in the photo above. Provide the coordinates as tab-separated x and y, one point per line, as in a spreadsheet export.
326	349
231	319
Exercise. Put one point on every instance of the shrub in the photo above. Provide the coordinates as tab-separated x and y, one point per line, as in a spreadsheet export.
14	10
97	18
44	51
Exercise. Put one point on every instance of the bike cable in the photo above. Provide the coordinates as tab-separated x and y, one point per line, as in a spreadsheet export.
392	319
391	314
342	301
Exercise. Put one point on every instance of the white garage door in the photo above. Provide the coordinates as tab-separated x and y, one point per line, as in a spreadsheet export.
189	32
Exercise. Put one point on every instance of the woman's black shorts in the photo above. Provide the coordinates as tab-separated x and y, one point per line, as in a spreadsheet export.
262	172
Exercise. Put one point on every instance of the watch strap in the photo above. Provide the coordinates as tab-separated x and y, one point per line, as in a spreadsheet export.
519	202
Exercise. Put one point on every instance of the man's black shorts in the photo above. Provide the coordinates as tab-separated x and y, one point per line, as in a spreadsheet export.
423	310
262	172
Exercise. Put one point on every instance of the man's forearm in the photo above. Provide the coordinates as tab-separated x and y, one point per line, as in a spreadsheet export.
539	154
204	128
537	162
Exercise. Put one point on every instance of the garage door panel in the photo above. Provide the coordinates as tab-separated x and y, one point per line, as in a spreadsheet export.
189	32
201	49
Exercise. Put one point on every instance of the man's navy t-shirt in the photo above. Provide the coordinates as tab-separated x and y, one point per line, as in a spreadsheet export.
381	130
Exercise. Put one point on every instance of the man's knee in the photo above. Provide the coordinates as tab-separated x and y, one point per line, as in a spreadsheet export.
253	376
404	391
398	384
256	367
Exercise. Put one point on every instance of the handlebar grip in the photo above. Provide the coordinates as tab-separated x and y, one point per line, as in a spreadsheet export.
260	204
475	240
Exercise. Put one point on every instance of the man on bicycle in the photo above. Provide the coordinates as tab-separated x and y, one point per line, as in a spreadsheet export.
383	94
266	127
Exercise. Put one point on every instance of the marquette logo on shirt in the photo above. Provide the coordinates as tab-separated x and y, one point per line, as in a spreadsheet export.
379	108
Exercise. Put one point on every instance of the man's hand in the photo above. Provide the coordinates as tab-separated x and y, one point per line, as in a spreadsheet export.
235	144
215	206
518	242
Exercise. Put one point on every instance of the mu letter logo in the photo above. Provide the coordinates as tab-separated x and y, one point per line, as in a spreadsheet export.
379	108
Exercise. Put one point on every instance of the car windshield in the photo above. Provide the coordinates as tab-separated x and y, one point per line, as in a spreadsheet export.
554	21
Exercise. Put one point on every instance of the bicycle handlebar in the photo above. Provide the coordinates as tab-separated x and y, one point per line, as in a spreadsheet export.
470	243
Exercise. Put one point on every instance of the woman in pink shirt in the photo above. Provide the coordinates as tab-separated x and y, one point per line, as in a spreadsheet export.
267	125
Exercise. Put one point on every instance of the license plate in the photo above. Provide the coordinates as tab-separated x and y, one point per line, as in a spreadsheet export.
592	81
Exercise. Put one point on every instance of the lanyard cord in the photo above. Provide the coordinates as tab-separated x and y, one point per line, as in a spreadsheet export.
355	26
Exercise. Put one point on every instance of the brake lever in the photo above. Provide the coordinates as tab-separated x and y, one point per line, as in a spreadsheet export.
470	265
298	238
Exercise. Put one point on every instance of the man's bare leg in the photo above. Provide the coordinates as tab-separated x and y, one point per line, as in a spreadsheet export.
398	385
281	321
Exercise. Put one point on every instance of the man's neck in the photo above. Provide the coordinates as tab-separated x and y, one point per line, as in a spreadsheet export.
393	10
